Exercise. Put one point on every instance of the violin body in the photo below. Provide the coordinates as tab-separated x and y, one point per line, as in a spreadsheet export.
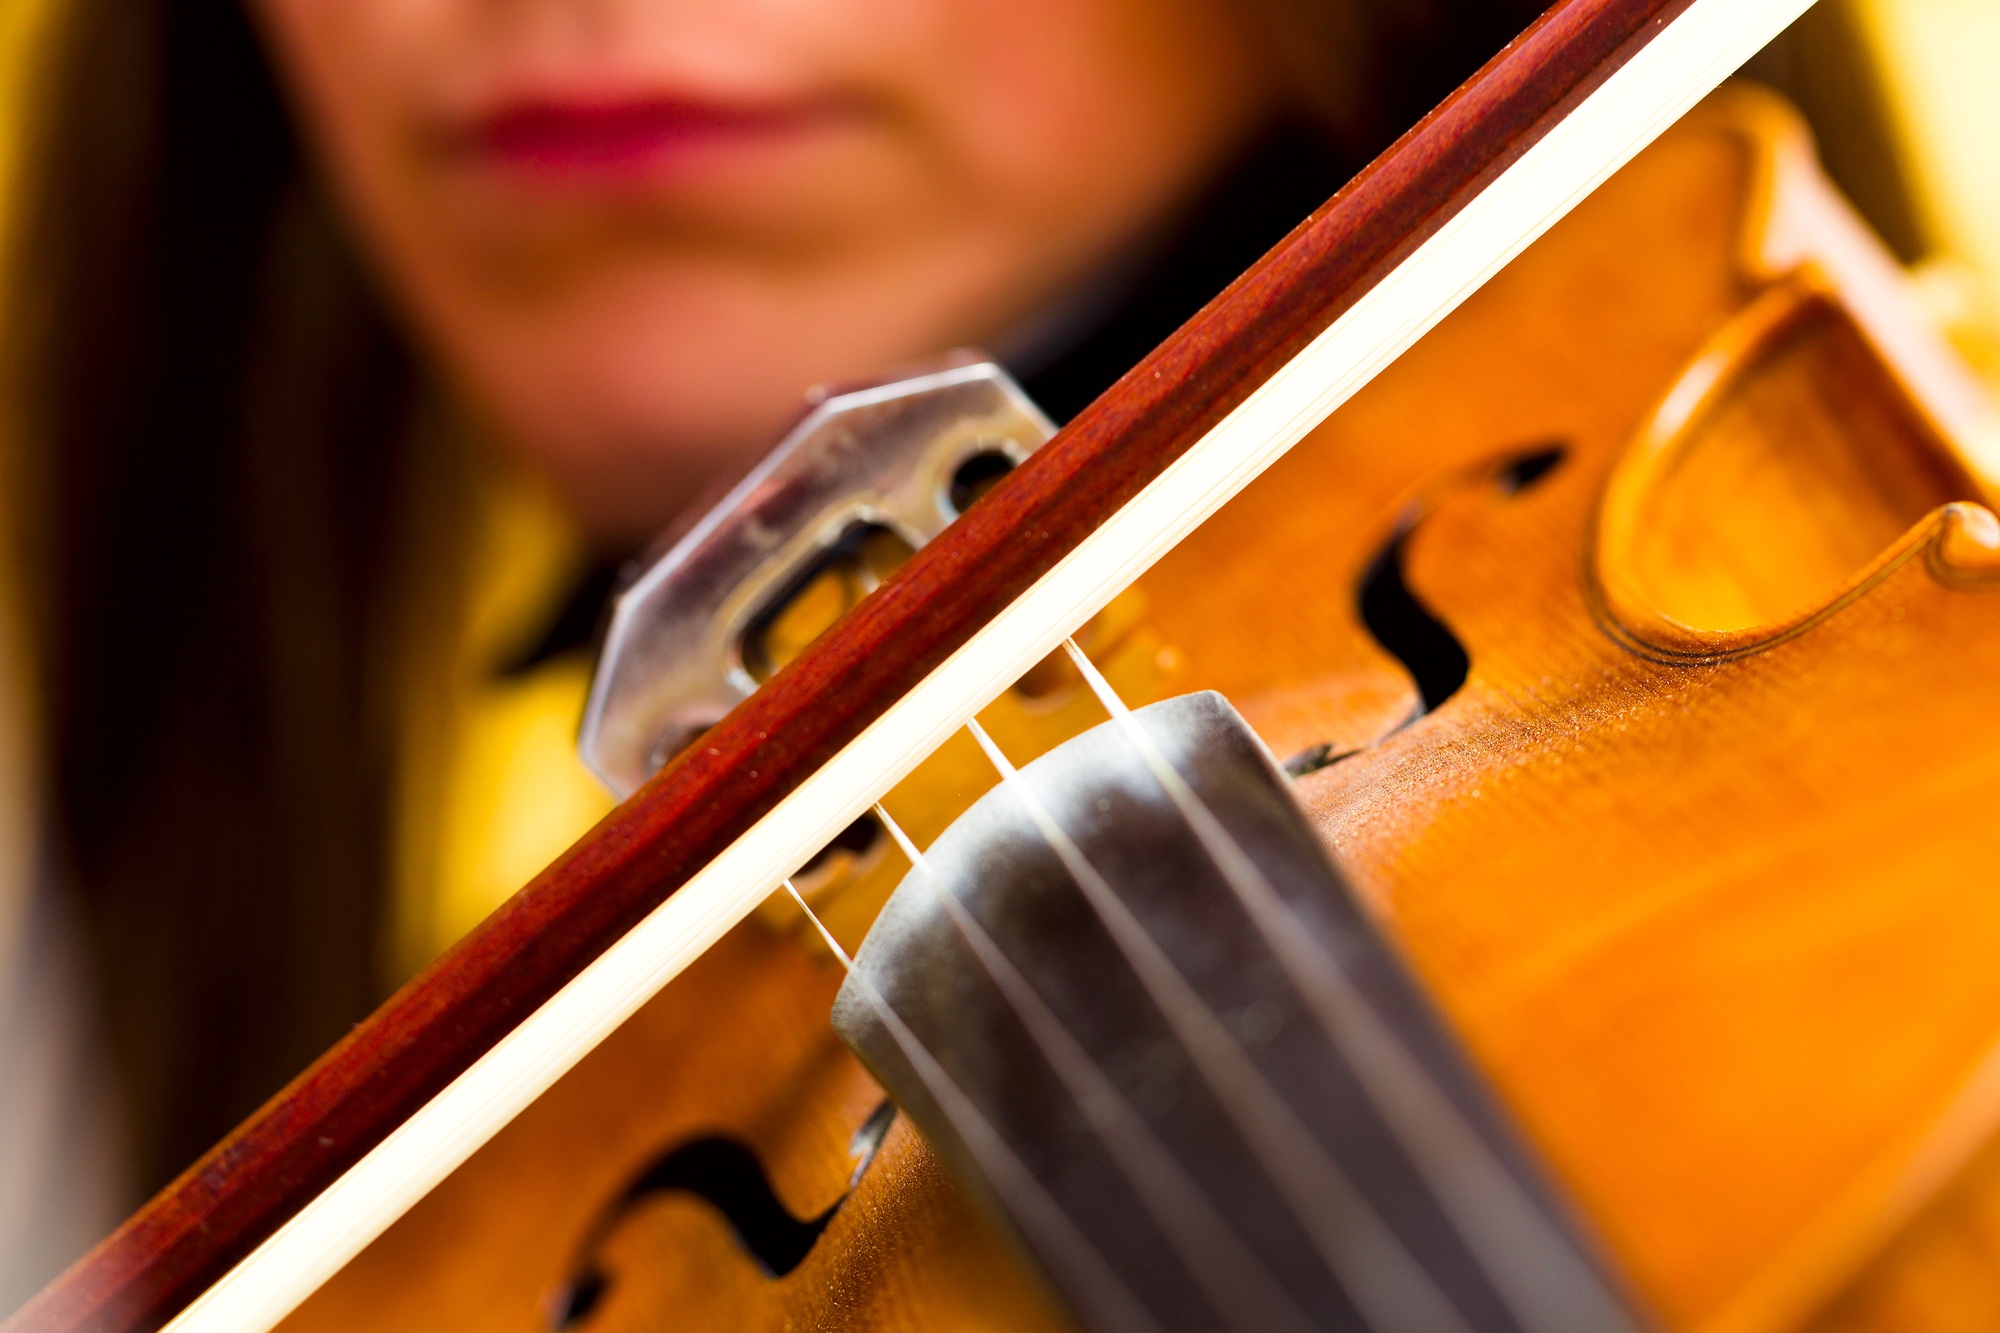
1688	843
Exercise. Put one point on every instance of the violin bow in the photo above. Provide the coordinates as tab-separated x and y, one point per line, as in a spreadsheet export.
254	1227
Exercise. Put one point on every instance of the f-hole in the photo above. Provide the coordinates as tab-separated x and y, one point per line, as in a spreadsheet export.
1403	625
729	1177
1397	617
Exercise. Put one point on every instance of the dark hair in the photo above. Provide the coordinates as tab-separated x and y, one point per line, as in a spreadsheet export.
212	414
213	445
1369	69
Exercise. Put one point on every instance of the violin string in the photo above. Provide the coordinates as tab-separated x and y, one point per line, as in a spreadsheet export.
1064	1246
1389	1288
1221	1262
1545	1283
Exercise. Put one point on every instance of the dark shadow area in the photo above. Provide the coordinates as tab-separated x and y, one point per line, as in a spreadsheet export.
729	1177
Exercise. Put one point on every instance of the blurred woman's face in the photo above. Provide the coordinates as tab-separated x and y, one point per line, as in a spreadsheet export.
635	230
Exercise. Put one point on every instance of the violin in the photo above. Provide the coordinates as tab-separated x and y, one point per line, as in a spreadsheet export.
1616	538
1621	641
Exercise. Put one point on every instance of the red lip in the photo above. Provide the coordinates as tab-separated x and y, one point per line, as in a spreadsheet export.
617	138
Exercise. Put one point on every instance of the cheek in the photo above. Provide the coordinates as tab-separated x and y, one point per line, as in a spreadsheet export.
1083	106
1002	147
340	58
357	71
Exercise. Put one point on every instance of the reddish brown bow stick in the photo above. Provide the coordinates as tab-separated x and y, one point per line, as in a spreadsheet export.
439	1024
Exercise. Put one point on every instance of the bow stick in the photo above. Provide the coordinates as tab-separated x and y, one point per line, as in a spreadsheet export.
322	1169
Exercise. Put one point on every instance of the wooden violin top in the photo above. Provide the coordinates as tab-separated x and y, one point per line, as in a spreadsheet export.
1697	858
1689	847
434	1030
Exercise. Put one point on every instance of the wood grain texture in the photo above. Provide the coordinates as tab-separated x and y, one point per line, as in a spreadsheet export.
1717	930
737	1044
1717	925
435	1027
1941	1274
487	1249
1257	603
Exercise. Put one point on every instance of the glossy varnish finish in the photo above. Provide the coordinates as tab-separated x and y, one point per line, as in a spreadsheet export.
438	1025
1702	874
1695	860
721	1050
493	1246
1701	870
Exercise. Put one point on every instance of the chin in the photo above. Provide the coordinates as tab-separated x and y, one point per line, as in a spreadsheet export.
664	436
